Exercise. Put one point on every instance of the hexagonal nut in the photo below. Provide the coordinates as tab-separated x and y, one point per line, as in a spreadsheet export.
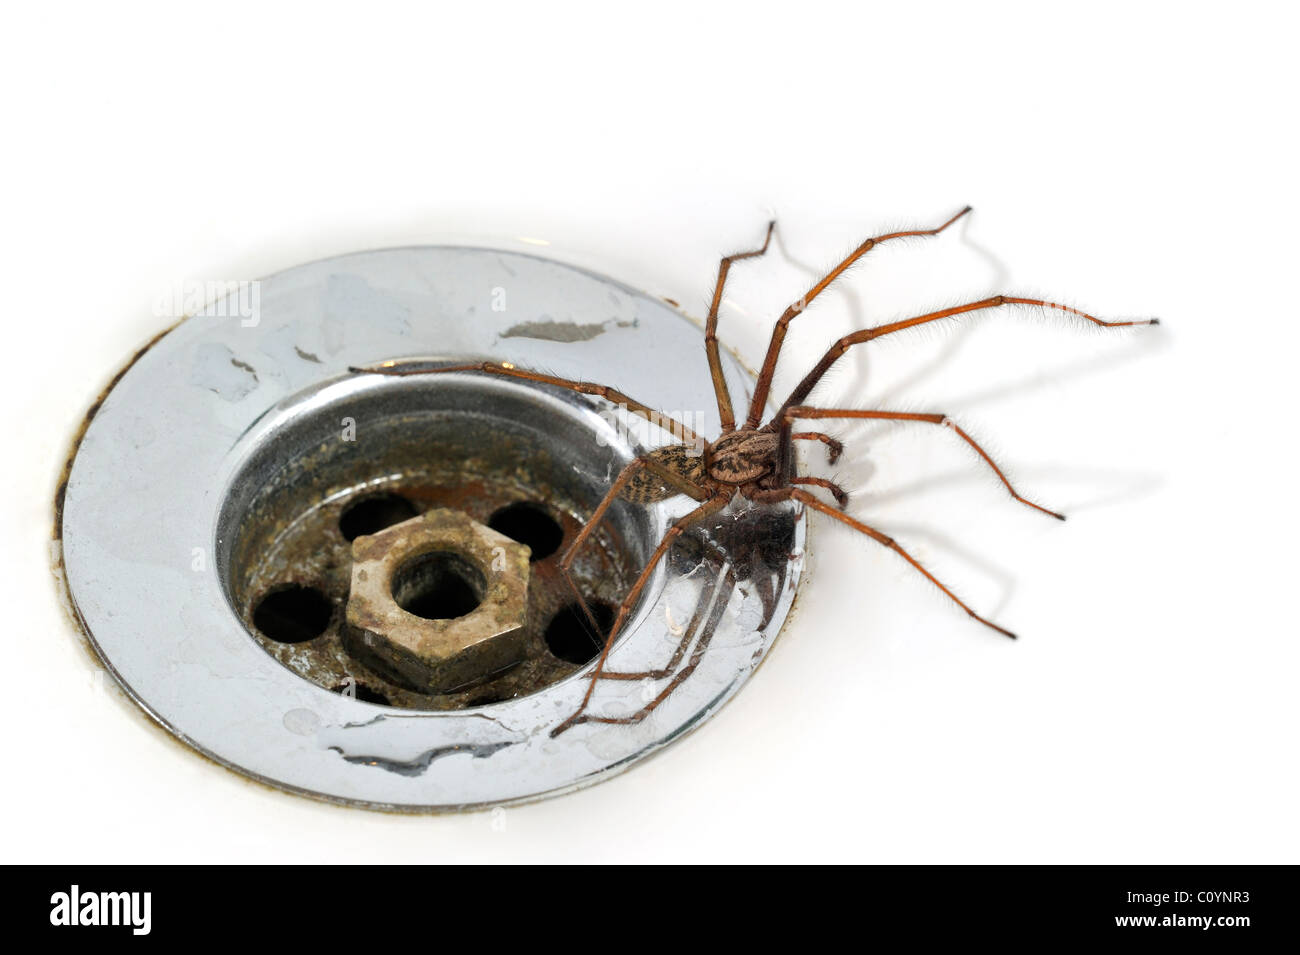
438	655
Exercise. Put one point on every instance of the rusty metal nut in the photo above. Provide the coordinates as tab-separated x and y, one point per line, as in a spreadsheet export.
439	655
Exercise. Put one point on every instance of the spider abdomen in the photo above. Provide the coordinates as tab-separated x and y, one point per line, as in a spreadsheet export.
742	456
647	487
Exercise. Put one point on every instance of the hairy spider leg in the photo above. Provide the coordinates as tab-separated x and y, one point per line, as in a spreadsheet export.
867	334
841	496
720	596
679	431
764	385
629	471
725	412
893	545
805	412
711	506
702	604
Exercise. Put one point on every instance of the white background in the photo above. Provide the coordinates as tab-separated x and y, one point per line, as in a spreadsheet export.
1133	160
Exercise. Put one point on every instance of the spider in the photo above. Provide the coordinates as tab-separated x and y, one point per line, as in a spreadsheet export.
753	459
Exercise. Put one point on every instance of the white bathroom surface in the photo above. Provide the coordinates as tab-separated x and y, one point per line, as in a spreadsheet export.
1146	714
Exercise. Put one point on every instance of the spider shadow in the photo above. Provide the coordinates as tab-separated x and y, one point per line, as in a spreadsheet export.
858	469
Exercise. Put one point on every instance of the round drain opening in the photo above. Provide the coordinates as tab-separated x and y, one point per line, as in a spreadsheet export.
529	524
373	513
570	635
292	614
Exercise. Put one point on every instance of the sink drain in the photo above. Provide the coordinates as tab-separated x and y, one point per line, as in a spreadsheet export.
347	585
362	459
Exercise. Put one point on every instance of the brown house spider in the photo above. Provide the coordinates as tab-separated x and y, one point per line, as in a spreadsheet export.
754	460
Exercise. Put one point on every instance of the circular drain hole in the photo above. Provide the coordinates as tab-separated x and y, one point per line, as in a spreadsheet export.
370	515
293	614
531	525
363	693
438	586
569	635
489	699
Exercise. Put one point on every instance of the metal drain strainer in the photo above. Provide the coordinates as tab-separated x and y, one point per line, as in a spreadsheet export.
216	500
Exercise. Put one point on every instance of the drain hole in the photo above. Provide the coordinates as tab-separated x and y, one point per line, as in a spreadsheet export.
363	693
293	614
438	586
531	525
370	515
569	635
488	699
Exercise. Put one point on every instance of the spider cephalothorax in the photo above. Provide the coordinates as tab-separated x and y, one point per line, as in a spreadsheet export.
755	460
743	458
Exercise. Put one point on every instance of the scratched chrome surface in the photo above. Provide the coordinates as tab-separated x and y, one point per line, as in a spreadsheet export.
175	435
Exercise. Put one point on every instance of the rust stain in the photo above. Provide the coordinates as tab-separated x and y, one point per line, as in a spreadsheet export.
551	331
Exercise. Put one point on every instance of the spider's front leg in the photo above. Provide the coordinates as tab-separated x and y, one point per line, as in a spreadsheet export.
841	496
759	400
886	540
803	411
725	412
718	593
701	605
837	350
624	486
710	506
406	367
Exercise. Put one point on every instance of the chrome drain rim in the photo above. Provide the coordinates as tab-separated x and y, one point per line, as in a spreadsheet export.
151	473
